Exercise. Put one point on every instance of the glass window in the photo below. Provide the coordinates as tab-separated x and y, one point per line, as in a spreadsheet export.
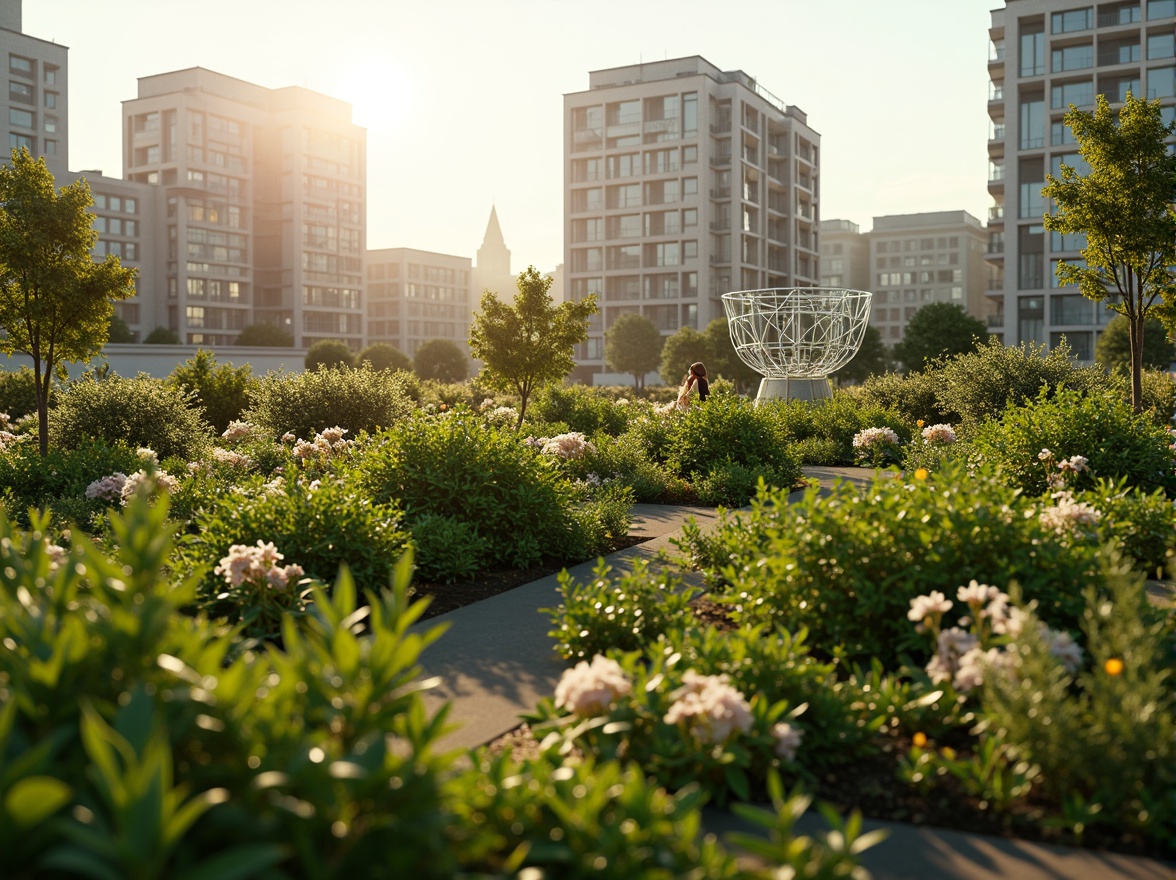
1160	9
16	141
21	118
1123	13
1079	93
21	93
1060	134
1072	58
1032	124
690	114
1032	52
1161	82
20	66
1116	88
1072	20
1161	45
51	100
50	75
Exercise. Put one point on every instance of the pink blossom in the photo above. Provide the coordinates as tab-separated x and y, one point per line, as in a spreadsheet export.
231	458
709	707
589	689
238	430
257	565
788	739
933	605
571	445
939	434
157	481
109	488
1068	515
873	437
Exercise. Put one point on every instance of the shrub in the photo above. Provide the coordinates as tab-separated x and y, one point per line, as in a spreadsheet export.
329	353
221	392
442	360
18	393
602	518
980	384
912	397
1117	443
58	480
623	459
447	549
728	429
451	465
1142	523
846	566
833	423
162	336
319	527
580	409
1159	394
306	403
264	335
141	412
733	485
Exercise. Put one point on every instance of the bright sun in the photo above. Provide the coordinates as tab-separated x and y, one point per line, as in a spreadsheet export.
378	91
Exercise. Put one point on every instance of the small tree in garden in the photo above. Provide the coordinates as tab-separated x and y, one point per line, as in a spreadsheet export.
441	359
118	331
264	336
55	301
1113	349
723	362
1124	207
329	353
162	336
633	344
870	360
384	356
221	390
530	342
936	330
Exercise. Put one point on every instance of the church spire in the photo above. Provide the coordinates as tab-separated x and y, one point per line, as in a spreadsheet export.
493	231
493	255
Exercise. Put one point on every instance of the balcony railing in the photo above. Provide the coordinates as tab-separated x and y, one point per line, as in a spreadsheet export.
722	192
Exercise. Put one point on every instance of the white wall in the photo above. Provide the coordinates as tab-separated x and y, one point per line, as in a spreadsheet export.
158	361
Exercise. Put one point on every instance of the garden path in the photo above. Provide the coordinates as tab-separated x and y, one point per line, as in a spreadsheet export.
497	661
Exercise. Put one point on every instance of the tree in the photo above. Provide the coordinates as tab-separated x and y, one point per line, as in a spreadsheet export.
264	335
938	330
55	300
162	336
530	342
723	361
633	344
1113	349
1124	207
871	359
220	390
441	359
117	330
384	356
680	351
329	353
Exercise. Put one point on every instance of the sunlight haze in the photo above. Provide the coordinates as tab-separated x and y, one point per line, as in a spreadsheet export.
463	101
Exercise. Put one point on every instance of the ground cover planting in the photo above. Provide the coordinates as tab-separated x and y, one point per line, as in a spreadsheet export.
220	638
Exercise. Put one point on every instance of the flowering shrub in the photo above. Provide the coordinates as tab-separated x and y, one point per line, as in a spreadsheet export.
571	445
728	429
708	708
239	430
944	434
876	447
501	416
309	402
262	587
109	488
1067	516
824	431
151	482
589	689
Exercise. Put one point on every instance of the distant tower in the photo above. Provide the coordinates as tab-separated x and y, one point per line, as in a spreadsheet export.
492	269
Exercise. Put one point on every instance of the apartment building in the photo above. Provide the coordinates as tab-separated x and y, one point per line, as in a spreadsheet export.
414	296
683	182
36	102
1046	55
844	255
264	214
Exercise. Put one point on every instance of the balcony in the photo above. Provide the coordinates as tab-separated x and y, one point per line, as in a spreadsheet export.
722	126
722	192
720	160
996	322
996	214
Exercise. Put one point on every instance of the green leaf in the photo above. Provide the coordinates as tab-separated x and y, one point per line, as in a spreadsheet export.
237	863
32	800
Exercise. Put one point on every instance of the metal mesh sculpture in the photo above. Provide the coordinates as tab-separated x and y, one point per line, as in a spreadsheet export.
796	333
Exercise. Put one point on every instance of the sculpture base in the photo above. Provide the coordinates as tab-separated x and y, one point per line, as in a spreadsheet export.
816	390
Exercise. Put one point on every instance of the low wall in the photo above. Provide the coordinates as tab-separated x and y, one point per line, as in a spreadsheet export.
158	361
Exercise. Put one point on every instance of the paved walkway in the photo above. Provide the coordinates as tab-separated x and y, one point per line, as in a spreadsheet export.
497	661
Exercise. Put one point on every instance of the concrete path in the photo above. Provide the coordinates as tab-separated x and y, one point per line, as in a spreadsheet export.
497	661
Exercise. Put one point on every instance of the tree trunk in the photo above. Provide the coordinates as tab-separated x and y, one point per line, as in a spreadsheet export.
1135	336
41	384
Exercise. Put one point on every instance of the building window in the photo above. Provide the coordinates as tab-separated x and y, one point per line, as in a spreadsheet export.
1032	52
20	66
1072	20
1161	82
1161	45
21	118
21	93
17	141
1072	58
1160	9
50	148
1079	93
51	100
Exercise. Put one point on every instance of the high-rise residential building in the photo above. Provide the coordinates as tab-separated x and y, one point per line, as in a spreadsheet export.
683	182
1046	55
265	212
415	296
908	261
36	109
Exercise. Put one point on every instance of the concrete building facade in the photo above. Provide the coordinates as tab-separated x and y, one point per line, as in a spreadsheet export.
1044	56
415	296
36	102
683	182
265	205
844	255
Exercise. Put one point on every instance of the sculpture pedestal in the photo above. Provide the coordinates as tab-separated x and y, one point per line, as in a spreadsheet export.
818	390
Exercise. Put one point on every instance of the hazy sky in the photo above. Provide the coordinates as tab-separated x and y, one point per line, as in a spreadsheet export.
463	99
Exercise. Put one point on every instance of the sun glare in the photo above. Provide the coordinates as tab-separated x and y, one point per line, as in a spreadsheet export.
377	90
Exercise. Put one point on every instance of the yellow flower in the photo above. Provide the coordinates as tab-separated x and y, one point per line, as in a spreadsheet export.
920	423
919	740
949	753
921	474
1114	666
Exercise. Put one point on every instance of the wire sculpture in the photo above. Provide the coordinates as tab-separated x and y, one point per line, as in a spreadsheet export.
796	332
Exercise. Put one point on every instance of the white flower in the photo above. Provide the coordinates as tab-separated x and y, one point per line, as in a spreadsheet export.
275	486
1044	455
939	434
977	593
788	739
923	607
589	689
571	445
503	417
108	488
238	430
257	565
1063	647
873	437
160	480
1068	515
710	708
622	401
57	555
953	644
147	455
974	664
288	437
231	458
1074	464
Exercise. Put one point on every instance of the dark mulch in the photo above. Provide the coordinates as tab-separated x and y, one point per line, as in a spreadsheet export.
447	597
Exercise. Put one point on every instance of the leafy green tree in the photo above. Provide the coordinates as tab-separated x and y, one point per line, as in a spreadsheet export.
723	362
441	359
162	336
1113	350
118	331
1124	207
680	351
871	359
329	353
530	342
55	300
264	335
633	345
938	330
384	356
220	390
